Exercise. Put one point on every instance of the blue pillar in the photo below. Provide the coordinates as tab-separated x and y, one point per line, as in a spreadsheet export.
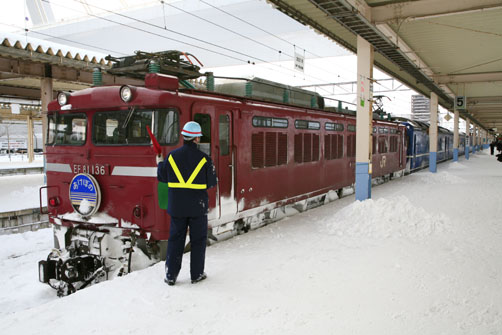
432	161
363	181
466	152
455	155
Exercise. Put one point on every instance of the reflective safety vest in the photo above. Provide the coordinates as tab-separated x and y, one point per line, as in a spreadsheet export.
188	183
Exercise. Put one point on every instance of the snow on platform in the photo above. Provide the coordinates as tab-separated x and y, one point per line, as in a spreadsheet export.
424	256
20	161
21	192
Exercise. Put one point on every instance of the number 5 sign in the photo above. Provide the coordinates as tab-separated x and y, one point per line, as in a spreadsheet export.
460	102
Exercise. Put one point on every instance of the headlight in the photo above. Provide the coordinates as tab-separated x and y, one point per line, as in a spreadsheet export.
126	93
63	98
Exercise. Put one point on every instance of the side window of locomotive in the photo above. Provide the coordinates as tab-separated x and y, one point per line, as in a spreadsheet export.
67	129
205	141
51	130
167	126
224	134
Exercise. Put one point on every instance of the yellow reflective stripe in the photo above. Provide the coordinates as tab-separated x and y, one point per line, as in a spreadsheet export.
197	170
193	186
188	184
176	170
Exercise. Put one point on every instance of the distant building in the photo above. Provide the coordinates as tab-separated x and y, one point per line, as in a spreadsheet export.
420	108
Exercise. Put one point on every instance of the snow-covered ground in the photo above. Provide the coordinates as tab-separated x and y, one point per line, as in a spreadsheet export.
424	256
17	161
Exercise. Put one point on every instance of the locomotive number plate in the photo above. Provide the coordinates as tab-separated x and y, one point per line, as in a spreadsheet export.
94	169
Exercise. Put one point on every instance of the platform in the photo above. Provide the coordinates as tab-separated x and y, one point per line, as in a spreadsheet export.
423	256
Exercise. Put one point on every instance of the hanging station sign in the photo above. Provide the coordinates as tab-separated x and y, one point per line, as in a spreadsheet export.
460	103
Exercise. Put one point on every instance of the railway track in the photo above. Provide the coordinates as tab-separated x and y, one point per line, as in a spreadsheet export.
22	171
21	221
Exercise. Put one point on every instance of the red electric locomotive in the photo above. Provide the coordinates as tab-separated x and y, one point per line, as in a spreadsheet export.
107	208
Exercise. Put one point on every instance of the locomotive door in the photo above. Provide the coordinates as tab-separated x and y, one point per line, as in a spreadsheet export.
216	124
225	167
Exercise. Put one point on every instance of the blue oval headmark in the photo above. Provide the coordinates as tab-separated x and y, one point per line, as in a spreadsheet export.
85	195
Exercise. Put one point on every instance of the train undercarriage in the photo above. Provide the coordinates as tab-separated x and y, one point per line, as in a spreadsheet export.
82	257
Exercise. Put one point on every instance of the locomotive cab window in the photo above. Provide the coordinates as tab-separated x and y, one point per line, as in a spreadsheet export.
167	126
128	127
67	129
205	124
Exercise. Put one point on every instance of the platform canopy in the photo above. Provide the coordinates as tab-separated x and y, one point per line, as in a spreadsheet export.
449	47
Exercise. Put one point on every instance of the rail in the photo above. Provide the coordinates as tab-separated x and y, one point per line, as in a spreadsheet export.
21	171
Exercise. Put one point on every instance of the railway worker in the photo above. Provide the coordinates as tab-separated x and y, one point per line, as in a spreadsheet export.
189	173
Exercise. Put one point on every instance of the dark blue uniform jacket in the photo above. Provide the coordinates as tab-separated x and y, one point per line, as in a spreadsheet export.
184	202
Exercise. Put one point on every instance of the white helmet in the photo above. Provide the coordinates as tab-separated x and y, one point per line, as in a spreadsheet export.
191	129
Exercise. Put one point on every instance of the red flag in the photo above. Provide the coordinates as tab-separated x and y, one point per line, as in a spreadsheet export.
156	145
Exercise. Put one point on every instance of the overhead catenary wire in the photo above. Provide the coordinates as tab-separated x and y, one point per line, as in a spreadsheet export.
170	38
239	34
155	34
267	32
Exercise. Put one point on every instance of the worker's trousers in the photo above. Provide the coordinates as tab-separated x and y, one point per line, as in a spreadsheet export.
176	244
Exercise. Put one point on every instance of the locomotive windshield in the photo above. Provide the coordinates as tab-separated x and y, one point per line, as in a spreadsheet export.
67	129
129	127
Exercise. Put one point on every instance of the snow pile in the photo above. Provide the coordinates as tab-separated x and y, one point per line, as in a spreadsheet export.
98	218
85	206
16	245
19	256
386	218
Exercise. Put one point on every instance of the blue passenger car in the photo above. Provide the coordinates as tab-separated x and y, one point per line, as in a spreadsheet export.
417	134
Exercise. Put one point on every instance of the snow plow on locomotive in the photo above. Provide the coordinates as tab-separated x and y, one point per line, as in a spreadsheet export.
104	201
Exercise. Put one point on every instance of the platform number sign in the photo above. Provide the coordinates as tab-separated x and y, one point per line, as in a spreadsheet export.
460	102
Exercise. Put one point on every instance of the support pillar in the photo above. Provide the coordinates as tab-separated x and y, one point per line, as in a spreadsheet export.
455	136
433	133
364	119
45	97
467	139
474	139
29	123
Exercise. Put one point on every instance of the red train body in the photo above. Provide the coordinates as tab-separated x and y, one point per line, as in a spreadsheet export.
267	156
